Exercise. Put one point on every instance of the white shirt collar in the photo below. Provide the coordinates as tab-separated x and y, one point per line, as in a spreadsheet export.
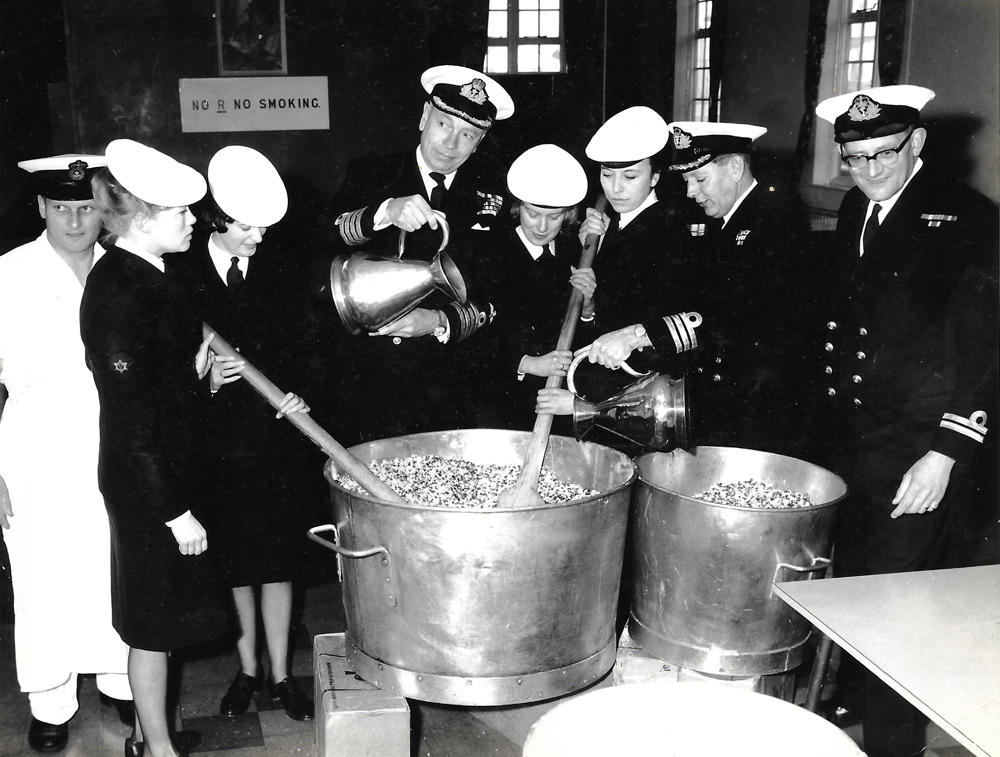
222	259
153	260
626	218
534	250
887	204
425	174
739	201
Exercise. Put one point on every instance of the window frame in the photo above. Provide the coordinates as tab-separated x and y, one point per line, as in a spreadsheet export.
685	63
512	42
828	170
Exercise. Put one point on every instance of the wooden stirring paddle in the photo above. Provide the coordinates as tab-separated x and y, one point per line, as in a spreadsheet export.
348	463
524	492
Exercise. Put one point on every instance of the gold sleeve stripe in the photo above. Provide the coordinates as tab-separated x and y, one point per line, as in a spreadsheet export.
350	227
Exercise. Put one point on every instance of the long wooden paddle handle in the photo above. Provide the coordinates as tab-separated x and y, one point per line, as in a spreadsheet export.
528	477
304	422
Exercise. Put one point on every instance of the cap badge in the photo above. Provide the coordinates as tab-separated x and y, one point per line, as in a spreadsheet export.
682	140
475	90
77	170
864	109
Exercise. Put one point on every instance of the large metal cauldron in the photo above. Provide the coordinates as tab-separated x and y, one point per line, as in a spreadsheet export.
477	606
702	572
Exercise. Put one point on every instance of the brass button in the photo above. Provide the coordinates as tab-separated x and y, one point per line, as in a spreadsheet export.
863	331
857	402
397	340
832	392
716	377
828	370
828	347
856	379
718	360
832	325
861	356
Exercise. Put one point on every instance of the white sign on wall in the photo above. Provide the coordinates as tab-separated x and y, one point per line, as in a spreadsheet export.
262	103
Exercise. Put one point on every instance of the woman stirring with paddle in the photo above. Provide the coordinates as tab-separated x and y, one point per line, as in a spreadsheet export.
547	183
265	481
645	261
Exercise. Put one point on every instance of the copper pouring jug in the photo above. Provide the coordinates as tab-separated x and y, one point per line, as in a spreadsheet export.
652	412
371	291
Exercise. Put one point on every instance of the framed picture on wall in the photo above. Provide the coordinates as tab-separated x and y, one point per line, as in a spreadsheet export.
251	37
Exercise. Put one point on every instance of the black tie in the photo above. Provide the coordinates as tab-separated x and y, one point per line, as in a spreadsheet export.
871	228
439	191
234	276
546	250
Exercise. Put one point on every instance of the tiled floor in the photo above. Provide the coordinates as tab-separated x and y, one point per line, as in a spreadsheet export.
436	731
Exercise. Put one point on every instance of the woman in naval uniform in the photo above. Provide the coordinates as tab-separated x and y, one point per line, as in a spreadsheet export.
539	258
645	262
144	346
264	473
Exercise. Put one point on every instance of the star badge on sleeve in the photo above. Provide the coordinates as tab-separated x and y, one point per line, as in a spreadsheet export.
120	363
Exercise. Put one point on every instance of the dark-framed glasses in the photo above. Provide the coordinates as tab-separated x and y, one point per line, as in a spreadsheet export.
884	157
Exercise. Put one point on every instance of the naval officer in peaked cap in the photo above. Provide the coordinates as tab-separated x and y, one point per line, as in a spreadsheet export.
410	378
911	338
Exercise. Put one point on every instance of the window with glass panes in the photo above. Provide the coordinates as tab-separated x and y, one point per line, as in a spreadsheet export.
700	91
525	37
862	27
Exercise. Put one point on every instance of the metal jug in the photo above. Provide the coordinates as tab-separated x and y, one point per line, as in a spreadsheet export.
372	290
652	412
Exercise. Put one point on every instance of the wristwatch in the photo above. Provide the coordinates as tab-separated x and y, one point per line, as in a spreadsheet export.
442	324
640	335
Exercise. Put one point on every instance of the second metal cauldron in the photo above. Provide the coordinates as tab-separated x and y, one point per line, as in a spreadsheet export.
702	572
484	606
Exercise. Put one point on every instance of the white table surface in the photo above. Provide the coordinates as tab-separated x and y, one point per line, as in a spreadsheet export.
933	636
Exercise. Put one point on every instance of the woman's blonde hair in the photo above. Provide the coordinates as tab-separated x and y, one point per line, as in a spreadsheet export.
118	206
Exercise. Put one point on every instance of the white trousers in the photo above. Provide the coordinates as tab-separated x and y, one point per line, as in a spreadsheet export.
57	705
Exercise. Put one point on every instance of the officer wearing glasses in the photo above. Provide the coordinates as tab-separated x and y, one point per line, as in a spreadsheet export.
911	359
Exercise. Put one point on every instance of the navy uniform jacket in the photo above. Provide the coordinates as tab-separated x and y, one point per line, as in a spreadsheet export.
141	336
746	382
265	470
392	386
911	332
643	271
532	296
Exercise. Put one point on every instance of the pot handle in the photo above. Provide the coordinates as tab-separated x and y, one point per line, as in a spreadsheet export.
581	355
819	563
445	234
390	580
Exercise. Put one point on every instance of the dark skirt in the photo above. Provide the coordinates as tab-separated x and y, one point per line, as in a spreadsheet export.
162	600
263	509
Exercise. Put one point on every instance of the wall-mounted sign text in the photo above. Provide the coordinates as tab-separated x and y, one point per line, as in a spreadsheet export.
262	103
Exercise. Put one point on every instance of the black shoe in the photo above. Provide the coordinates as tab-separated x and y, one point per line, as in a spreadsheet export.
297	705
240	694
134	748
125	707
46	737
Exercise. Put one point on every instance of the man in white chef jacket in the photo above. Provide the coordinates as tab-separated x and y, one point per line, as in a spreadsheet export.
52	512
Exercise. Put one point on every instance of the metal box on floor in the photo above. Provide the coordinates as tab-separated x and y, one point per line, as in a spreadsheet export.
353	718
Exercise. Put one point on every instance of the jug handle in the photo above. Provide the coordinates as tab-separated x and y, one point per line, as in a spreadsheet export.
581	355
390	582
445	233
819	563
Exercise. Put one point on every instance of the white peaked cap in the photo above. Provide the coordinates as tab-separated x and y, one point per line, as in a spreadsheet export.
627	137
548	176
246	186
152	175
